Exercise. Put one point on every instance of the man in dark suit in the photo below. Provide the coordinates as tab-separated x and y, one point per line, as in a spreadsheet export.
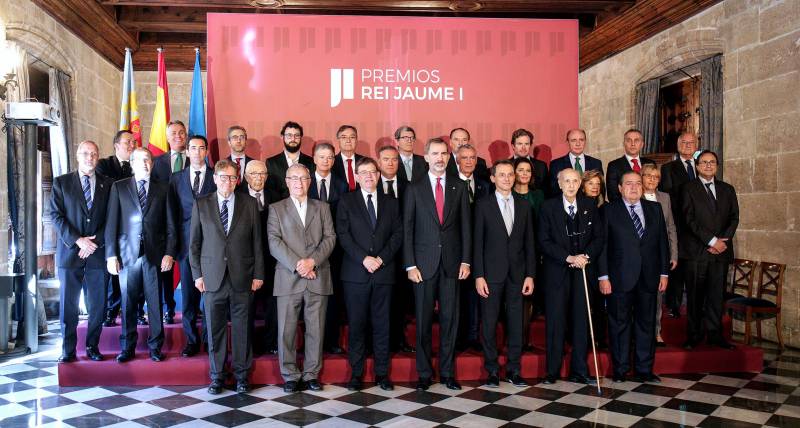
368	269
184	188
78	208
437	254
575	159
345	162
292	134
117	167
227	264
505	265
634	266
140	240
631	161
329	188
237	141
522	145
674	175
413	166
711	215
570	236
459	137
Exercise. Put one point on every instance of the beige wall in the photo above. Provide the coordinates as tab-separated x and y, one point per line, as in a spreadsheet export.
759	41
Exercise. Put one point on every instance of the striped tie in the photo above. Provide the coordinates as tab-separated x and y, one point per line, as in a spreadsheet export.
223	215
637	222
87	191
142	194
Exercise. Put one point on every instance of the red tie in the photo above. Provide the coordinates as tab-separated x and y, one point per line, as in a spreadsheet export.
440	200
351	179
636	166
239	164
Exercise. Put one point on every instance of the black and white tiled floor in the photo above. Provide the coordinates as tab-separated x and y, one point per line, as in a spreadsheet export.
30	396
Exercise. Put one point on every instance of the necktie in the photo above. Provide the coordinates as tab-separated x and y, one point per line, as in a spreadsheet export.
87	191
142	194
571	211
690	169
373	217
440	200
578	166
636	166
223	215
711	196
637	222
351	179
508	217
471	191
323	191
126	168
196	183
258	200
239	165
390	188
178	165
407	166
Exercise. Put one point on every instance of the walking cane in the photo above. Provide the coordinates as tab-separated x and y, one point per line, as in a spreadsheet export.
591	329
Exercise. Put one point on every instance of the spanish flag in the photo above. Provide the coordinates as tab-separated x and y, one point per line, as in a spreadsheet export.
158	132
129	110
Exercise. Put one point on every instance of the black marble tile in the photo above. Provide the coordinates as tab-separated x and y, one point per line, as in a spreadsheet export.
26	421
361	399
423	397
654	423
164	419
783	421
236	401
564	409
714	389
47	402
624	407
479	394
175	402
435	414
686	376
299	399
690	406
609	393
738	375
769	387
497	411
111	402
94	420
775	371
587	424
717	422
368	416
793	400
30	374
232	418
14	387
125	389
180	389
542	393
55	389
300	417
663	391
749	404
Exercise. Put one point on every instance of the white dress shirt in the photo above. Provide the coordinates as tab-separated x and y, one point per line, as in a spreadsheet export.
374	194
230	200
301	207
318	179
573	156
192	174
386	185
631	158
260	197
714	191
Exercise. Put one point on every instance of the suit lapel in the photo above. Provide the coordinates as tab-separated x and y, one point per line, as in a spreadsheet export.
134	194
450	192
583	215
208	182
237	213
76	183
312	211
498	215
427	193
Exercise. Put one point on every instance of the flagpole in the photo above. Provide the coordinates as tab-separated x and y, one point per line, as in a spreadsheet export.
591	329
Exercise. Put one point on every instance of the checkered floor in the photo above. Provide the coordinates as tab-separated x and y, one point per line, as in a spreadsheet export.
30	396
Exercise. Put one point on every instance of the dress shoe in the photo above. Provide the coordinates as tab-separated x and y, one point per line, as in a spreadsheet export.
335	350
405	347
450	383
291	386
94	354
585	380
355	384
493	381
169	319
67	358
384	382
242	387
646	378
674	313
109	322
423	384
272	351
549	380
314	385
190	350
475	345
141	321
517	380
619	378
689	345
527	348
724	344
602	345
157	356
215	388
661	344
125	356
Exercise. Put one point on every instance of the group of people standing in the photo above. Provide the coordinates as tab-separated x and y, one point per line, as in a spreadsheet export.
334	237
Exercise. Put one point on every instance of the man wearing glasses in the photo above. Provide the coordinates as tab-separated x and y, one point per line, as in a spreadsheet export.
292	134
237	141
412	166
345	163
228	267
301	238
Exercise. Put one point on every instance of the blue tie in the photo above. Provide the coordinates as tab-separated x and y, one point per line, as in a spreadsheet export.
142	194
637	222
87	191
223	215
690	169
373	218
571	211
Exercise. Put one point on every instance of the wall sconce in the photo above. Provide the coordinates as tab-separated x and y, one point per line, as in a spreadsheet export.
9	58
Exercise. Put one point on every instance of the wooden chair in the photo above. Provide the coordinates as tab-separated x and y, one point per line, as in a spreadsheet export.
740	282
749	309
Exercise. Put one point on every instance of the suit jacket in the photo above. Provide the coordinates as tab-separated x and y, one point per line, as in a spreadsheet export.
481	170
111	168
239	252
672	234
541	178
337	186
673	177
498	255
181	200
554	243
703	222
339	168
401	187
426	241
73	219
359	240
418	168
270	197
162	167
277	166
616	168
626	258
290	241
559	164
247	160
128	227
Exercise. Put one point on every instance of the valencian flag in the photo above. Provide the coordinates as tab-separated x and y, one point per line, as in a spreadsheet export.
197	112
129	110
158	132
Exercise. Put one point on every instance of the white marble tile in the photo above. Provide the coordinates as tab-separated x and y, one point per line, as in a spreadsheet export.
562	386
407	422
268	392
199	423
676	416
150	394
26	395
522	402
337	423
398	407
703	397
15	368
548	420
396	392
725	381
643	399
754	394
788	410
460	404
441	389
475	421
742	415
601	417
126	424
265	423
589	401
135	411
88	394
780	380
201	410
13	409
676	383
4	380
70	411
332	407
329	392
267	408
202	394
41	382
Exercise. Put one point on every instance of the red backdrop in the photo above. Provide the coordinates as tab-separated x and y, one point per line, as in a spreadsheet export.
490	76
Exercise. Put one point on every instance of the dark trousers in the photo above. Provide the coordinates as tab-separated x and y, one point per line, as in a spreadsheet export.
368	305
704	285
510	294
334	317
114	299
263	297
470	307
91	281
190	300
445	290
402	305
632	313
674	294
167	280
598	305
141	277
217	305
565	304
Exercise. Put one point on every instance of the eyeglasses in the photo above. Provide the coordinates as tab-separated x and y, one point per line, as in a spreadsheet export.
228	178
348	137
367	173
707	163
294	179
406	138
292	136
238	138
257	174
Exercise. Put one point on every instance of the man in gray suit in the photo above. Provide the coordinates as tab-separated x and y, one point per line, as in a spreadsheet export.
227	266
301	238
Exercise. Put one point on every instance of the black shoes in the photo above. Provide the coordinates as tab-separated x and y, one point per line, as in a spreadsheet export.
646	378
619	378
674	313
141	321
157	356
292	386
68	358
493	381
450	383
94	354
190	350
110	321
517	380
355	384
585	380
314	385
423	384
724	344
405	347
125	356
689	345
384	383
215	388
335	350
661	344
242	387
169	319
549	380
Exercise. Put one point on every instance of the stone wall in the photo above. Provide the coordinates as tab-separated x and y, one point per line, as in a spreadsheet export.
759	41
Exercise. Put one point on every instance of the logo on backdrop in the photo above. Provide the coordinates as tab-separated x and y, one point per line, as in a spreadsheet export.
392	85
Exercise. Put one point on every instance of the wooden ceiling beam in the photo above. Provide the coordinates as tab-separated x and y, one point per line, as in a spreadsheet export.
178	51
